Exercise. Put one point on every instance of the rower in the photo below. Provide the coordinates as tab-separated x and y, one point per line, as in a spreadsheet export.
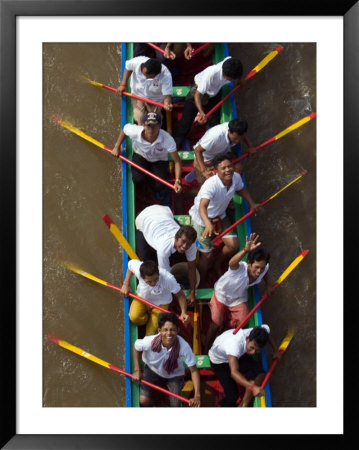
206	93
208	213
149	79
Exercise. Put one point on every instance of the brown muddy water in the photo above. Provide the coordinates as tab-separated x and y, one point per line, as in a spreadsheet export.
81	183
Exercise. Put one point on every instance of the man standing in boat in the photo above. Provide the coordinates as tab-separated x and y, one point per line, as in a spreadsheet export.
206	93
231	357
151	80
163	355
159	236
229	302
157	286
151	146
219	139
208	213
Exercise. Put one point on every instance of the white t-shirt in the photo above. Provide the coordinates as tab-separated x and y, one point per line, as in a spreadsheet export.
155	361
211	79
152	151
231	288
228	343
216	192
161	293
159	228
215	141
152	88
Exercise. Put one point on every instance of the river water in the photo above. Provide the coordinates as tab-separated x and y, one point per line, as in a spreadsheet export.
81	183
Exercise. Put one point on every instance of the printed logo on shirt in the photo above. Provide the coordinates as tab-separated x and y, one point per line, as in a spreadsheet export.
158	148
156	290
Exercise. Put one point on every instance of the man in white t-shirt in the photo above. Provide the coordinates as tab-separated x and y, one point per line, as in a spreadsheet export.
232	362
157	286
151	146
206	93
151	80
219	139
163	355
158	236
229	302
209	210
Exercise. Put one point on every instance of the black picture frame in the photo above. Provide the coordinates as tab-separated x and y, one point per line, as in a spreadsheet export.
9	10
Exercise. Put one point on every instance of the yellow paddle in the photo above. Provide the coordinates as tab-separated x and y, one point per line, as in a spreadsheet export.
112	286
284	275
282	348
110	366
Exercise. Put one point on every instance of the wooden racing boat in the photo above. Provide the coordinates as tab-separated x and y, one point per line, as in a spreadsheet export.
134	200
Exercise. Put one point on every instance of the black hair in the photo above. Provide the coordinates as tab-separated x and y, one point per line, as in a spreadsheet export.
259	335
168	317
188	231
238	126
220	158
148	268
153	66
258	254
232	68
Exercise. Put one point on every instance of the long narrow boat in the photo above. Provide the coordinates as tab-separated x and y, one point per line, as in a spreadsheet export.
211	390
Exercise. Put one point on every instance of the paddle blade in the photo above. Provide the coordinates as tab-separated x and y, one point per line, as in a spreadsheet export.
78	351
119	236
85	274
286	341
292	266
295	125
264	62
75	130
94	83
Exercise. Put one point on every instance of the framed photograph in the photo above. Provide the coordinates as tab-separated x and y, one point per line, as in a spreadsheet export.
48	51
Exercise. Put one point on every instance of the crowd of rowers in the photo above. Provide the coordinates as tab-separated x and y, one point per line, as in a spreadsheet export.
159	236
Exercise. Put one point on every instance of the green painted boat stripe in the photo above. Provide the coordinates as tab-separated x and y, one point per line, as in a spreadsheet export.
201	294
135	391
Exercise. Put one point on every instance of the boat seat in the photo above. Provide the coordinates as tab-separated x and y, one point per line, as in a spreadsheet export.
185	155
202	362
183	219
180	91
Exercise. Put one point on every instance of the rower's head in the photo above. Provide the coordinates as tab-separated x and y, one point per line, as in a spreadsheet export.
168	327
152	125
224	167
151	68
256	340
236	130
232	69
150	273
186	235
257	260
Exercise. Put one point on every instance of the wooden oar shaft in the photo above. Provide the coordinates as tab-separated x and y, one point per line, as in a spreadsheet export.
284	275
80	133
146	100
128	94
292	127
110	366
156	47
199	49
216	240
260	66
